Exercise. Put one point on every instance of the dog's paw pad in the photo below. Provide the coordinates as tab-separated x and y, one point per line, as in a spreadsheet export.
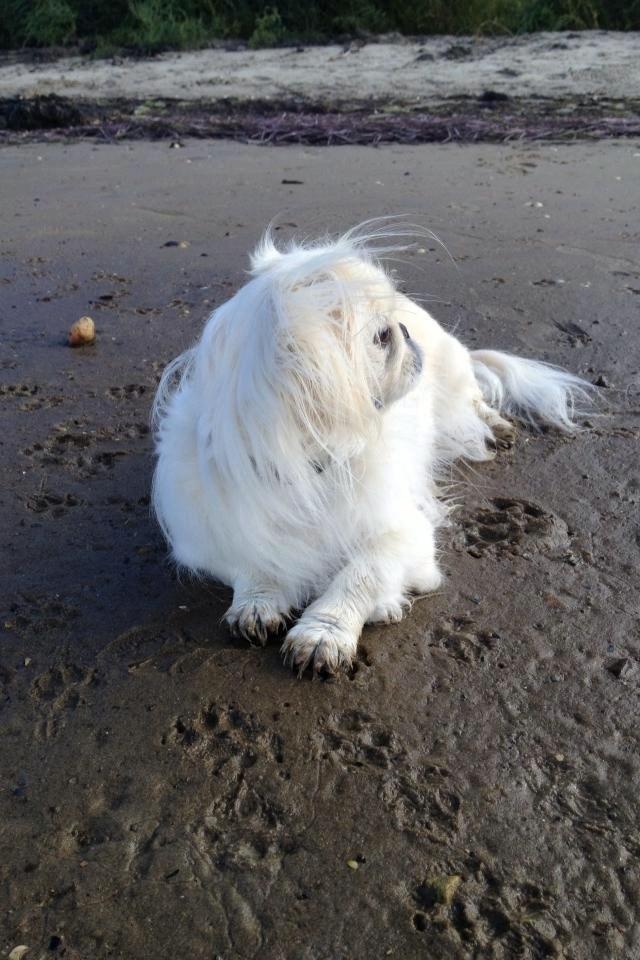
504	433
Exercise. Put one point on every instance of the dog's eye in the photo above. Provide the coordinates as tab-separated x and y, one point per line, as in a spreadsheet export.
383	337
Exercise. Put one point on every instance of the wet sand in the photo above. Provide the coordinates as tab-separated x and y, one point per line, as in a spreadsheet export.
470	789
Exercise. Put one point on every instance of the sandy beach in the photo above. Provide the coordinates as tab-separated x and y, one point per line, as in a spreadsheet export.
408	73
469	789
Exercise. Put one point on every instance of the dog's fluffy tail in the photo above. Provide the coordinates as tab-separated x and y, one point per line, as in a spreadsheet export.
529	390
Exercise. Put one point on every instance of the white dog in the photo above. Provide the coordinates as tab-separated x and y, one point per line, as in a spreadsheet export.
299	443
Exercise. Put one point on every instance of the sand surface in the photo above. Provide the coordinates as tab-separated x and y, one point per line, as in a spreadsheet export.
552	65
169	793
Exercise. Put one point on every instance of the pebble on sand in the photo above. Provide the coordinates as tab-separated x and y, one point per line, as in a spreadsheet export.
82	331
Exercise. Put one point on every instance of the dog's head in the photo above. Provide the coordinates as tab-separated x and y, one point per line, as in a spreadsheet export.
299	368
341	355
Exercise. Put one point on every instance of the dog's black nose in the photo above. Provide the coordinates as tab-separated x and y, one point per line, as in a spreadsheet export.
405	332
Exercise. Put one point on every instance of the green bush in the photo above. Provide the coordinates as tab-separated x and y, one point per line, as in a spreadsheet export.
158	24
360	16
50	23
152	25
269	29
558	15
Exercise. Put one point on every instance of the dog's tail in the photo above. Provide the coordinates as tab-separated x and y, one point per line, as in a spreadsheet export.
529	390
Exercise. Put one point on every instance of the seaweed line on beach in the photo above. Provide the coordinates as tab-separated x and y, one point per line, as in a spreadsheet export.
53	118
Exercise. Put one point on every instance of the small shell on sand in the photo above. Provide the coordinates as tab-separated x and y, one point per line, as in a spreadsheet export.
82	331
18	952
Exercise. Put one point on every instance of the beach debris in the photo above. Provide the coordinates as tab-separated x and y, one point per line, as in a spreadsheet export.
353	864
493	96
461	123
18	952
439	889
81	332
42	112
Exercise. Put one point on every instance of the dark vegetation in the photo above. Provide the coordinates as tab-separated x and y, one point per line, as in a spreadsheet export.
51	118
145	26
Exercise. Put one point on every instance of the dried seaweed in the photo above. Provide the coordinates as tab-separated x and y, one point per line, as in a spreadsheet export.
462	122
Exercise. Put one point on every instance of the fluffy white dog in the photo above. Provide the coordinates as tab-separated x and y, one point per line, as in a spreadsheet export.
300	440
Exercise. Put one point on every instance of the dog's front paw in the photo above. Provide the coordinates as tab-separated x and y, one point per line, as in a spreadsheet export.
318	642
254	618
390	610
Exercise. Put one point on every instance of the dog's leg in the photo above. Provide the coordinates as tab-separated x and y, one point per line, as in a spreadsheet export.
419	573
258	609
326	636
467	426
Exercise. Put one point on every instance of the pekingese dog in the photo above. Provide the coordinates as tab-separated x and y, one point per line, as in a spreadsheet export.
299	443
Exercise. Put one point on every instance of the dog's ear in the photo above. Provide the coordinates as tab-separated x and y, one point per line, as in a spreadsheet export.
322	377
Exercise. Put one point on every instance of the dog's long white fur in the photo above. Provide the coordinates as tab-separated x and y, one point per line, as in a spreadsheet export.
299	448
528	389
